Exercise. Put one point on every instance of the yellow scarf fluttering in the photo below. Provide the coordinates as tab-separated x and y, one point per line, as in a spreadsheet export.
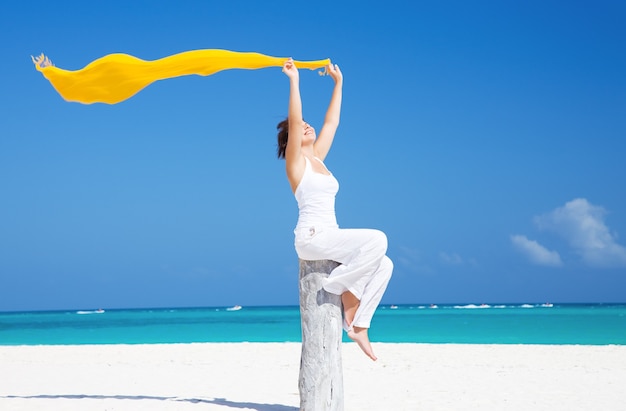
117	77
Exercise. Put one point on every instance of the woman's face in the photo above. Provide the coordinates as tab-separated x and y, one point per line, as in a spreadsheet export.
309	133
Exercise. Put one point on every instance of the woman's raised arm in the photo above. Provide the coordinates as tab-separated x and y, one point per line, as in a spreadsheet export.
331	121
294	162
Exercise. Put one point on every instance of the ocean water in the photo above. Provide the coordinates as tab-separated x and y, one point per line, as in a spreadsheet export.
591	324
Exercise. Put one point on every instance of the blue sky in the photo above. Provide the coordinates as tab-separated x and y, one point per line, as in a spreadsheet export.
486	138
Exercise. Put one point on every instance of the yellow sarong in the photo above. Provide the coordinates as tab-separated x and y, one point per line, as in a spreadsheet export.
117	77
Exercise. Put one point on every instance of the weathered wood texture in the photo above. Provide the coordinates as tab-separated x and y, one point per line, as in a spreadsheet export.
321	375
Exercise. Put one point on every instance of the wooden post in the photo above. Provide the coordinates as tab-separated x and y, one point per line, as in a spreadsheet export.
321	375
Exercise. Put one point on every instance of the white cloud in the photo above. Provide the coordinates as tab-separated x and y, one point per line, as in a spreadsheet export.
452	259
410	259
537	253
582	224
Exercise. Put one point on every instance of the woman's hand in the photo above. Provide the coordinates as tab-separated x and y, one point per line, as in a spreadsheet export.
334	72
290	69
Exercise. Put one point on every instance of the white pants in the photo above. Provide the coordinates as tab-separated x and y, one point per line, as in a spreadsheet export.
365	270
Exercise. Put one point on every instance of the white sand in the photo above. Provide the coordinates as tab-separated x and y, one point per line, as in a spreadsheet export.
264	377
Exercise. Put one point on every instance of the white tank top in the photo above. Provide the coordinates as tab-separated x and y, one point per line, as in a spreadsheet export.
316	198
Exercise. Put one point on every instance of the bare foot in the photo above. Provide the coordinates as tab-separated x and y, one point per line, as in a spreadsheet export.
359	336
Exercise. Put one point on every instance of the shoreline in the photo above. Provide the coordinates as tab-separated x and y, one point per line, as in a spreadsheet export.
344	343
264	377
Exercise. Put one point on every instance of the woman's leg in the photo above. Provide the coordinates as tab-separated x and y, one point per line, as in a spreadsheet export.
358	314
350	305
372	294
361	278
359	251
357	334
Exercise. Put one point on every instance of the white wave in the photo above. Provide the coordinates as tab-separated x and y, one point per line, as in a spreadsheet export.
90	312
472	306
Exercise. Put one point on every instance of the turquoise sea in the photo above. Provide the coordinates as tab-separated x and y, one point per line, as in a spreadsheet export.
592	324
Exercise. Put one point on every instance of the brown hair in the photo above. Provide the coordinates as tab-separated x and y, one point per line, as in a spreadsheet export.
283	134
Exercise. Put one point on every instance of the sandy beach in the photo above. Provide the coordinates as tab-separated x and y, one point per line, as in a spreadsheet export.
264	377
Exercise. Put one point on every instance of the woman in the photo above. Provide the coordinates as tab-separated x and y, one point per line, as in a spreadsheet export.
365	270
